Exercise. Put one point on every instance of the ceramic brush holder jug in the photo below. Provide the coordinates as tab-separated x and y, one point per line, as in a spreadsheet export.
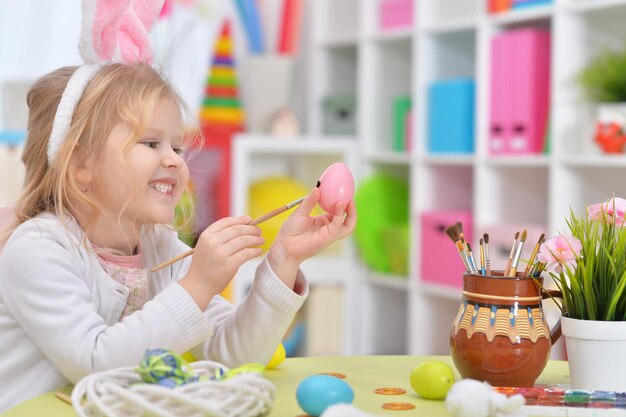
500	334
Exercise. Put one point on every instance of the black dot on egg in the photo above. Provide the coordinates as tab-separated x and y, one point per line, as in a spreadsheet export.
318	184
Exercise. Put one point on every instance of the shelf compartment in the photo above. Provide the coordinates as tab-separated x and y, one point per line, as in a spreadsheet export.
522	195
338	19
447	188
586	185
593	34
442	13
386	318
431	336
295	165
339	69
444	57
451	55
391	73
337	77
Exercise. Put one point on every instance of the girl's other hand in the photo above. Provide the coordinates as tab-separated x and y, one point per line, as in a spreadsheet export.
303	236
221	249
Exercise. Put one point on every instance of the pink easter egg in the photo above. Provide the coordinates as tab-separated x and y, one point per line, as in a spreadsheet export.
336	184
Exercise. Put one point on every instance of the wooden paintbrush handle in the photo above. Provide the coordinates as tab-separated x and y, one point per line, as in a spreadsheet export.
269	215
63	397
254	222
171	261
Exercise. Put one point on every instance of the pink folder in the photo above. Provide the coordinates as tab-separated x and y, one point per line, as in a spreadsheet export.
530	90
500	89
395	14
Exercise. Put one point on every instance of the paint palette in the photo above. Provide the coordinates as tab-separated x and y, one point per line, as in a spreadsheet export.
558	400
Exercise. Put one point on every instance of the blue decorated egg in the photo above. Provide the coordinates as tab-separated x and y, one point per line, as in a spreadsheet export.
318	392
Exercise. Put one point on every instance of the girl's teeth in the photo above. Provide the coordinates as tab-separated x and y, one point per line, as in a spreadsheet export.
163	188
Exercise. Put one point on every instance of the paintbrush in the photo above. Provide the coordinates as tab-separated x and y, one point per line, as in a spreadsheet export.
487	260
63	397
468	251
459	228
483	270
470	255
254	222
453	233
539	269
529	265
517	255
508	264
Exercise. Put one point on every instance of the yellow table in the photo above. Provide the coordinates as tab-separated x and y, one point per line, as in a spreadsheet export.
363	373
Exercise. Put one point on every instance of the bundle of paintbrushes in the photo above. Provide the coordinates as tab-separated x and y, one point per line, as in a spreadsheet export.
455	233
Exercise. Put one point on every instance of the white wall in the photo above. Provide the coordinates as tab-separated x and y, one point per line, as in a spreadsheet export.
38	36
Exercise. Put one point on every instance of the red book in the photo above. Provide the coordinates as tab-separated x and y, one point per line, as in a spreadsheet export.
290	27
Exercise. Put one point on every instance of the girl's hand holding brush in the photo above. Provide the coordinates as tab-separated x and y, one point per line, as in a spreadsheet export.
221	249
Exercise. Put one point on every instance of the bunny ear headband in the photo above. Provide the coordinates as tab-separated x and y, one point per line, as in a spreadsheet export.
112	31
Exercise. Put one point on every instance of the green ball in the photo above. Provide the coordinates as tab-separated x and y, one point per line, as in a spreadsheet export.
432	379
382	202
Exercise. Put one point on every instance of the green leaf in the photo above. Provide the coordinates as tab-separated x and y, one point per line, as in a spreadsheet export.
617	295
604	79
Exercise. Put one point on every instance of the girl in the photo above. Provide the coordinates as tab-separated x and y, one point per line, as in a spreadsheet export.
75	292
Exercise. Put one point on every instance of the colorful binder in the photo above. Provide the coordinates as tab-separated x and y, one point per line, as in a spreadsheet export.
531	90
451	116
520	91
500	89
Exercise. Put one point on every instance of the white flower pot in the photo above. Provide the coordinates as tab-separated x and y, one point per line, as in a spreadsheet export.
595	352
611	112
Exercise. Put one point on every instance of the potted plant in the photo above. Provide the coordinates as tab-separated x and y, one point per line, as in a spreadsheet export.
604	82
589	267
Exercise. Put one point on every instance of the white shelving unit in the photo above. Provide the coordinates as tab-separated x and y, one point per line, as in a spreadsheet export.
449	39
256	157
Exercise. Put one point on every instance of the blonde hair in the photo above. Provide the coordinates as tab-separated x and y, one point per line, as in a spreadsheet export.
126	93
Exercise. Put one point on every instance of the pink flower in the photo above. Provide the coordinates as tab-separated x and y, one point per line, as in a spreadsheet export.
615	207
166	10
560	251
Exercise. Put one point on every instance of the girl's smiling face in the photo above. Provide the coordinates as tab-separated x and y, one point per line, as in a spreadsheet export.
141	184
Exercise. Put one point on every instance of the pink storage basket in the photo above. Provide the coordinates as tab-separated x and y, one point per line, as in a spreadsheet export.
441	262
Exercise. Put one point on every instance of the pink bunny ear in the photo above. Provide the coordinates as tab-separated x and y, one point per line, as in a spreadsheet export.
117	30
112	31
